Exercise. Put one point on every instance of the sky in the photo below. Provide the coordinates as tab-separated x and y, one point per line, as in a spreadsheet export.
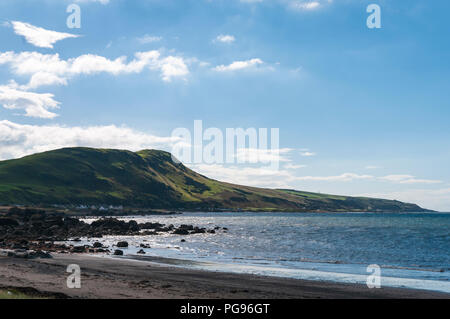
360	111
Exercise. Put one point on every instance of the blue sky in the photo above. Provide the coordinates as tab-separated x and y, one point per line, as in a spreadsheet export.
370	107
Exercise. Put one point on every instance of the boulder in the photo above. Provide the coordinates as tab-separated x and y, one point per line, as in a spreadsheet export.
180	231
122	244
97	245
39	254
78	249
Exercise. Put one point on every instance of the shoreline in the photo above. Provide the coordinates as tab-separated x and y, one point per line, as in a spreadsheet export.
106	278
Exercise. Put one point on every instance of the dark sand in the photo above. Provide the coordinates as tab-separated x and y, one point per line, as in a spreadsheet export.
123	278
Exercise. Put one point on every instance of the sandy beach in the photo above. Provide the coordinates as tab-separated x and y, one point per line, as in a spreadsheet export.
124	278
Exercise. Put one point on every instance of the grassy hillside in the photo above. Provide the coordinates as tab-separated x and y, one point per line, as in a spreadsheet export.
151	179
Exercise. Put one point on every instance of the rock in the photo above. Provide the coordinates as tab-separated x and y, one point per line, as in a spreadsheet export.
97	245
141	251
183	240
198	231
39	254
118	252
78	249
212	231
180	232
122	244
20	253
144	246
150	225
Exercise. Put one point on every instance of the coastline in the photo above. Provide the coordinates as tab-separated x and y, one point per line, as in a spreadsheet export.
106	278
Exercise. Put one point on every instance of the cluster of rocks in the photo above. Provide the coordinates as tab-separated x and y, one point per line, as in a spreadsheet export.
32	233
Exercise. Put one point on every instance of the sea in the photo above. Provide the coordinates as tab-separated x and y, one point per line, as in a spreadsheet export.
409	250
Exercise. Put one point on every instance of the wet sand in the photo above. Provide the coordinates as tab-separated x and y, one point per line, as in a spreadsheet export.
107	278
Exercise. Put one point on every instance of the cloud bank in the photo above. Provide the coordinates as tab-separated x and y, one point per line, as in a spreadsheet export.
18	140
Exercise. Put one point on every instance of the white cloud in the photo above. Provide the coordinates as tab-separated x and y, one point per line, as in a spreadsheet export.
172	67
225	38
239	65
304	5
52	70
307	154
149	39
408	179
298	5
437	199
252	155
99	1
251	1
44	79
293	166
49	69
244	175
346	177
18	140
34	104
39	37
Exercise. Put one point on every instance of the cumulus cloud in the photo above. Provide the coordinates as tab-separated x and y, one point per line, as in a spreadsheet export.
50	69
239	65
39	37
18	140
172	67
34	104
225	38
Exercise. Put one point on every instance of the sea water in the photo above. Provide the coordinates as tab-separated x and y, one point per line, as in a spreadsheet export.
412	249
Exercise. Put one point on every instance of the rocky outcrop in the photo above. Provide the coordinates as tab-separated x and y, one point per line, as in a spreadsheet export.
31	231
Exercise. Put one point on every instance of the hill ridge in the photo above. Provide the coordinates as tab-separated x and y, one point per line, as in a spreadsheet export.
149	178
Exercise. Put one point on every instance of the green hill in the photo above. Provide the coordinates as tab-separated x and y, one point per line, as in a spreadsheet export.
150	179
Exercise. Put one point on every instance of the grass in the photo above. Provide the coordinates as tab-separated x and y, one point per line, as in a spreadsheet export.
151	179
14	294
